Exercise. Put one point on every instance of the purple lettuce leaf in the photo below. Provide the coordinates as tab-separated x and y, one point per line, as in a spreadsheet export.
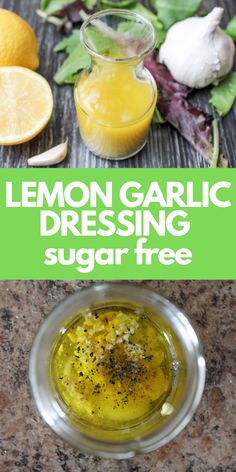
193	124
72	11
163	77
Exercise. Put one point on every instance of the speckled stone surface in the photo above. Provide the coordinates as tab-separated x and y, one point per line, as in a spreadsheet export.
208	443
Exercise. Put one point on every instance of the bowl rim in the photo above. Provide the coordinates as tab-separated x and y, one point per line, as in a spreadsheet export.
51	411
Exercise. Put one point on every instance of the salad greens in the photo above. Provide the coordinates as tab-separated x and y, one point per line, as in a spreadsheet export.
69	43
231	28
223	95
158	118
173	102
196	126
79	58
117	4
51	7
171	11
149	15
90	4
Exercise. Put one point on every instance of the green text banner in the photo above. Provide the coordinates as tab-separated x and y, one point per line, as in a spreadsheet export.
118	224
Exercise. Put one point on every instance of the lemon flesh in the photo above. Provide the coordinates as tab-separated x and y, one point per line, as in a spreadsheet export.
26	105
18	43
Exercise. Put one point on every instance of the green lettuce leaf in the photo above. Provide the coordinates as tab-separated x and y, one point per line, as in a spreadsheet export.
90	4
79	58
231	28
44	4
158	118
223	95
68	44
117	4
71	79
50	7
153	18
171	11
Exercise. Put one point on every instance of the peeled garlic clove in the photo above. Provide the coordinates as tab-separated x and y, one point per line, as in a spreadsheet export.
53	156
167	409
197	51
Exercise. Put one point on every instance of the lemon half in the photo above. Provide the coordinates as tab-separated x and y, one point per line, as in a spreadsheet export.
26	104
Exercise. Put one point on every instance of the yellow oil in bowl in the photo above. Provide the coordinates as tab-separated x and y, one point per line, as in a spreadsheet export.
112	367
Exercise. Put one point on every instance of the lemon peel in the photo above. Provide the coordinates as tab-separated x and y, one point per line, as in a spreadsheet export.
26	105
18	43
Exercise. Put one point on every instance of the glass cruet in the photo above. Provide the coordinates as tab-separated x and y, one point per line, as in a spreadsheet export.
115	98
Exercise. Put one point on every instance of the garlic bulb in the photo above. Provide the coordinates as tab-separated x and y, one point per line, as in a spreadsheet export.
197	51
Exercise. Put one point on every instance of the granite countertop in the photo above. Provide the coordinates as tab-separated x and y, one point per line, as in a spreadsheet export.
206	445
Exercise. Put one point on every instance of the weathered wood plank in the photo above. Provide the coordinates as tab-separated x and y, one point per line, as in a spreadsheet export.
165	148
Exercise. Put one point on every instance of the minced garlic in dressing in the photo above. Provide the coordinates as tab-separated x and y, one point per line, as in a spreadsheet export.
112	367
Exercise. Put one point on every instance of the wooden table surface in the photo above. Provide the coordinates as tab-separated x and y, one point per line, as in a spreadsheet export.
165	147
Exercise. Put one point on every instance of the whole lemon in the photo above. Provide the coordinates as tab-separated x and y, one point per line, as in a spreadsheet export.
18	43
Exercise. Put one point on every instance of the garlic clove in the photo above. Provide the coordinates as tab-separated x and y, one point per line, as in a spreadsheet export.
167	409
53	156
